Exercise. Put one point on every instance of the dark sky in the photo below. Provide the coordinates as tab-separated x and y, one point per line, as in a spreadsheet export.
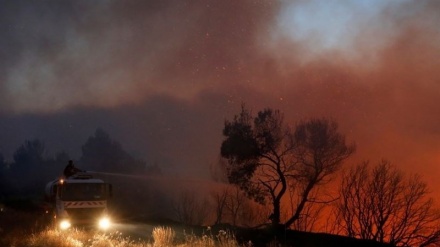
161	76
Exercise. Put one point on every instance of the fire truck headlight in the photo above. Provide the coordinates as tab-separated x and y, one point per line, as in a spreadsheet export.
104	223
64	224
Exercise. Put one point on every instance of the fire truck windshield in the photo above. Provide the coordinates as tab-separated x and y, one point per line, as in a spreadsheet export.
84	192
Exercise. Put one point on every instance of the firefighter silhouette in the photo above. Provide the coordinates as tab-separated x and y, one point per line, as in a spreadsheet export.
70	169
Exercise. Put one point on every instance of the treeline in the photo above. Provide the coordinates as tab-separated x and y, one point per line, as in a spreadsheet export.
289	176
32	167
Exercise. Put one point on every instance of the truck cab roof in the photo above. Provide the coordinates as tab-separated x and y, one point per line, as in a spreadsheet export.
82	178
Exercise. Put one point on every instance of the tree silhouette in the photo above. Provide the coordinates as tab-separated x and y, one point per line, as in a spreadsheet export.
4	186
265	157
235	201
28	158
190	209
382	204
230	205
28	171
3	164
101	153
219	201
319	152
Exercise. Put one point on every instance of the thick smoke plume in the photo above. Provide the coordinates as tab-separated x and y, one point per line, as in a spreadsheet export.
161	76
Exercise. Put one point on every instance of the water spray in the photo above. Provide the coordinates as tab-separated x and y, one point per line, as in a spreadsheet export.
120	174
155	177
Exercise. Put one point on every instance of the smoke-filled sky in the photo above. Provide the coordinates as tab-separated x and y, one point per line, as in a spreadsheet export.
161	76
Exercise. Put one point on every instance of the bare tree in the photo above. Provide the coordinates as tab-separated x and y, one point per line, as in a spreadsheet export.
384	205
235	201
189	209
311	213
219	197
264	155
232	206
254	214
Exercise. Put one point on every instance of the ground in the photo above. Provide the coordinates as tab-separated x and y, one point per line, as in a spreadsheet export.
16	223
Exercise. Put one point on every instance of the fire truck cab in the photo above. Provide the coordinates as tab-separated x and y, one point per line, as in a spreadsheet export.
79	200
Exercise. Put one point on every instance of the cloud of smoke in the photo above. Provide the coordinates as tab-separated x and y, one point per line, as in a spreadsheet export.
61	55
371	65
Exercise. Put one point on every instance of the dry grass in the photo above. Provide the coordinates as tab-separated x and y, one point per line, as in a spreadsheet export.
222	239
162	237
72	238
165	237
78	238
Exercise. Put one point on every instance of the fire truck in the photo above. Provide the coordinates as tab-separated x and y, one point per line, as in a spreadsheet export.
79	200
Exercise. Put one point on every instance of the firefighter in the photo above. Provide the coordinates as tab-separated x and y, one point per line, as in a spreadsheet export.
71	170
